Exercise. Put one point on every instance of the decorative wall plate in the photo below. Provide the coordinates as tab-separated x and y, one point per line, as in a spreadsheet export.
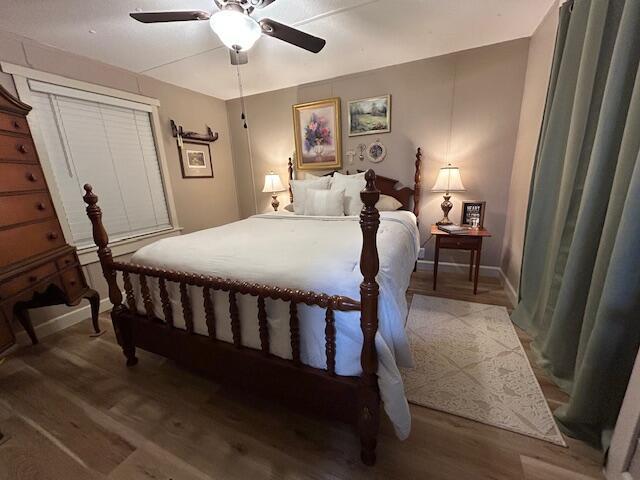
376	152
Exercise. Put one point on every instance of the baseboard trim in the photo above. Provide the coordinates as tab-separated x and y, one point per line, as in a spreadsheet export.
57	324
511	292
458	267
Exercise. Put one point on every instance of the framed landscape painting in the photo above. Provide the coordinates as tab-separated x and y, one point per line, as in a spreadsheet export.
370	115
195	160
318	138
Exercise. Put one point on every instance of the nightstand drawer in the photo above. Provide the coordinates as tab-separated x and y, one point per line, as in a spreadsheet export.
460	242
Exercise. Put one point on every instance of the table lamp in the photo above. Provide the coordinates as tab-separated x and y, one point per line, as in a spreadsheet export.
448	181
273	184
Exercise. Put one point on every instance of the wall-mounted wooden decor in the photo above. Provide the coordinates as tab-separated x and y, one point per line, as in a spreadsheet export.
179	133
195	151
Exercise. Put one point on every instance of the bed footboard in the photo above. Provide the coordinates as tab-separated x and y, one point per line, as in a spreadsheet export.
352	399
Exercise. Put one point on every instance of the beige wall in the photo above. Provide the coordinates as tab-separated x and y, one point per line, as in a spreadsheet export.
533	101
200	203
467	103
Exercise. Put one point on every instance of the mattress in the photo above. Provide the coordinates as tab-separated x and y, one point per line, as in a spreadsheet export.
319	254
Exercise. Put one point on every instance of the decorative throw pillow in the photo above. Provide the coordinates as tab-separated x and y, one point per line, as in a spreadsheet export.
388	204
352	186
299	189
324	202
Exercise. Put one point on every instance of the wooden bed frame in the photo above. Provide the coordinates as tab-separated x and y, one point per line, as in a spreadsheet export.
355	400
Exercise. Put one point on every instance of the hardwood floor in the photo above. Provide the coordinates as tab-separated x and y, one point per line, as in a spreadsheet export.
70	409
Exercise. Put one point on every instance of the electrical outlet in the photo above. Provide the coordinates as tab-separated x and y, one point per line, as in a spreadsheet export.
421	253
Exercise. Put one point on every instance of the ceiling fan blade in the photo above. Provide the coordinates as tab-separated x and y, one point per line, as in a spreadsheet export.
238	58
291	35
261	3
157	17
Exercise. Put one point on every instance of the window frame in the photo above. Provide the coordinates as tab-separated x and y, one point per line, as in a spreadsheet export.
21	77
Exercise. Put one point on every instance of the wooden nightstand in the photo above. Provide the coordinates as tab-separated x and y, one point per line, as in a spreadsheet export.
471	241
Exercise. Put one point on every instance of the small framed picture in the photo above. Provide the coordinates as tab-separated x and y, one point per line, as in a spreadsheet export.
195	160
370	116
473	213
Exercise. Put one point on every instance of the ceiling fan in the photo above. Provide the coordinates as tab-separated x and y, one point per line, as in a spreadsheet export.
236	28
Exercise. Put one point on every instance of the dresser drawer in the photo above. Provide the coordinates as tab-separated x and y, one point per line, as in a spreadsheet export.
30	240
26	279
25	208
13	123
17	148
66	261
17	177
463	243
73	283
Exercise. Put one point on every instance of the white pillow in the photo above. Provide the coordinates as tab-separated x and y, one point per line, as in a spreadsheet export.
352	186
324	202
311	176
299	189
388	204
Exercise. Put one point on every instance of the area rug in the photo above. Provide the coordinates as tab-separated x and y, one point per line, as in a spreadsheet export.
469	362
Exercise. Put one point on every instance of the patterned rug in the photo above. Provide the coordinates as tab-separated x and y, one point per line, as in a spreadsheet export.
469	362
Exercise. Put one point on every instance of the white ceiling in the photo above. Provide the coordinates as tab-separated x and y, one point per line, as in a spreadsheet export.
361	35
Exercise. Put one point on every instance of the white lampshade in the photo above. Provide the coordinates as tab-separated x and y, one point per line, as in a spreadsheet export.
448	180
272	183
237	30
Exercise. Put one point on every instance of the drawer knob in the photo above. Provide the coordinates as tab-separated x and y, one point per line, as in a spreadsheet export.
31	177
72	283
16	125
41	206
33	278
67	261
52	236
22	148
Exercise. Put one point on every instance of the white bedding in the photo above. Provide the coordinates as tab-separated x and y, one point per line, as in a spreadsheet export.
319	254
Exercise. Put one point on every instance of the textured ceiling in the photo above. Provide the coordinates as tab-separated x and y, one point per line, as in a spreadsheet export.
361	35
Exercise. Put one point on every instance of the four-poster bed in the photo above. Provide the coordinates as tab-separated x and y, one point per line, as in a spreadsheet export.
159	313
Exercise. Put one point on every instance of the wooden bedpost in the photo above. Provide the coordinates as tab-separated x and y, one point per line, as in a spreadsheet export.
417	186
122	326
369	396
290	165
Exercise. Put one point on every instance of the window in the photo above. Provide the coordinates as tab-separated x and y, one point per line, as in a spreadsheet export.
109	143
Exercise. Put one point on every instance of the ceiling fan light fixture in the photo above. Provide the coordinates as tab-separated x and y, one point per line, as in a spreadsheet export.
237	30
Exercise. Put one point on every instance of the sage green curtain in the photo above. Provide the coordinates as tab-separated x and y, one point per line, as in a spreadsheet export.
580	281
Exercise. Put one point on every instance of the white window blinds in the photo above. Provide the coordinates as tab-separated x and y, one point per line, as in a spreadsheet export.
108	143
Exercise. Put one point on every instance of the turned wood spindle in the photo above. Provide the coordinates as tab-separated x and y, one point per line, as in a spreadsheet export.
330	338
235	319
187	311
166	302
209	312
369	397
128	289
417	186
294	329
263	326
146	295
123	327
290	168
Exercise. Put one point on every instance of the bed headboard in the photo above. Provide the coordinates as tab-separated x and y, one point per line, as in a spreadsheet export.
387	186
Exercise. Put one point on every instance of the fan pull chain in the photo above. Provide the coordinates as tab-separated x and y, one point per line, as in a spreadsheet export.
243	117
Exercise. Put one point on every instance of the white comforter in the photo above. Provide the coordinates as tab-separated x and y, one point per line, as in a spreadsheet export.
320	254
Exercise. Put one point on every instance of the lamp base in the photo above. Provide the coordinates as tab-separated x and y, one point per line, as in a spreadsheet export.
446	206
274	202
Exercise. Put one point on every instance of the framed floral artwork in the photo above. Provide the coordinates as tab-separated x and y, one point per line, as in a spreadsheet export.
318	137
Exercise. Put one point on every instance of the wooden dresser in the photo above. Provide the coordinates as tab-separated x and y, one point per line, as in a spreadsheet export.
37	267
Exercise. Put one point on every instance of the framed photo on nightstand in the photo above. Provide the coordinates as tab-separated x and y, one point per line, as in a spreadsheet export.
473	213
